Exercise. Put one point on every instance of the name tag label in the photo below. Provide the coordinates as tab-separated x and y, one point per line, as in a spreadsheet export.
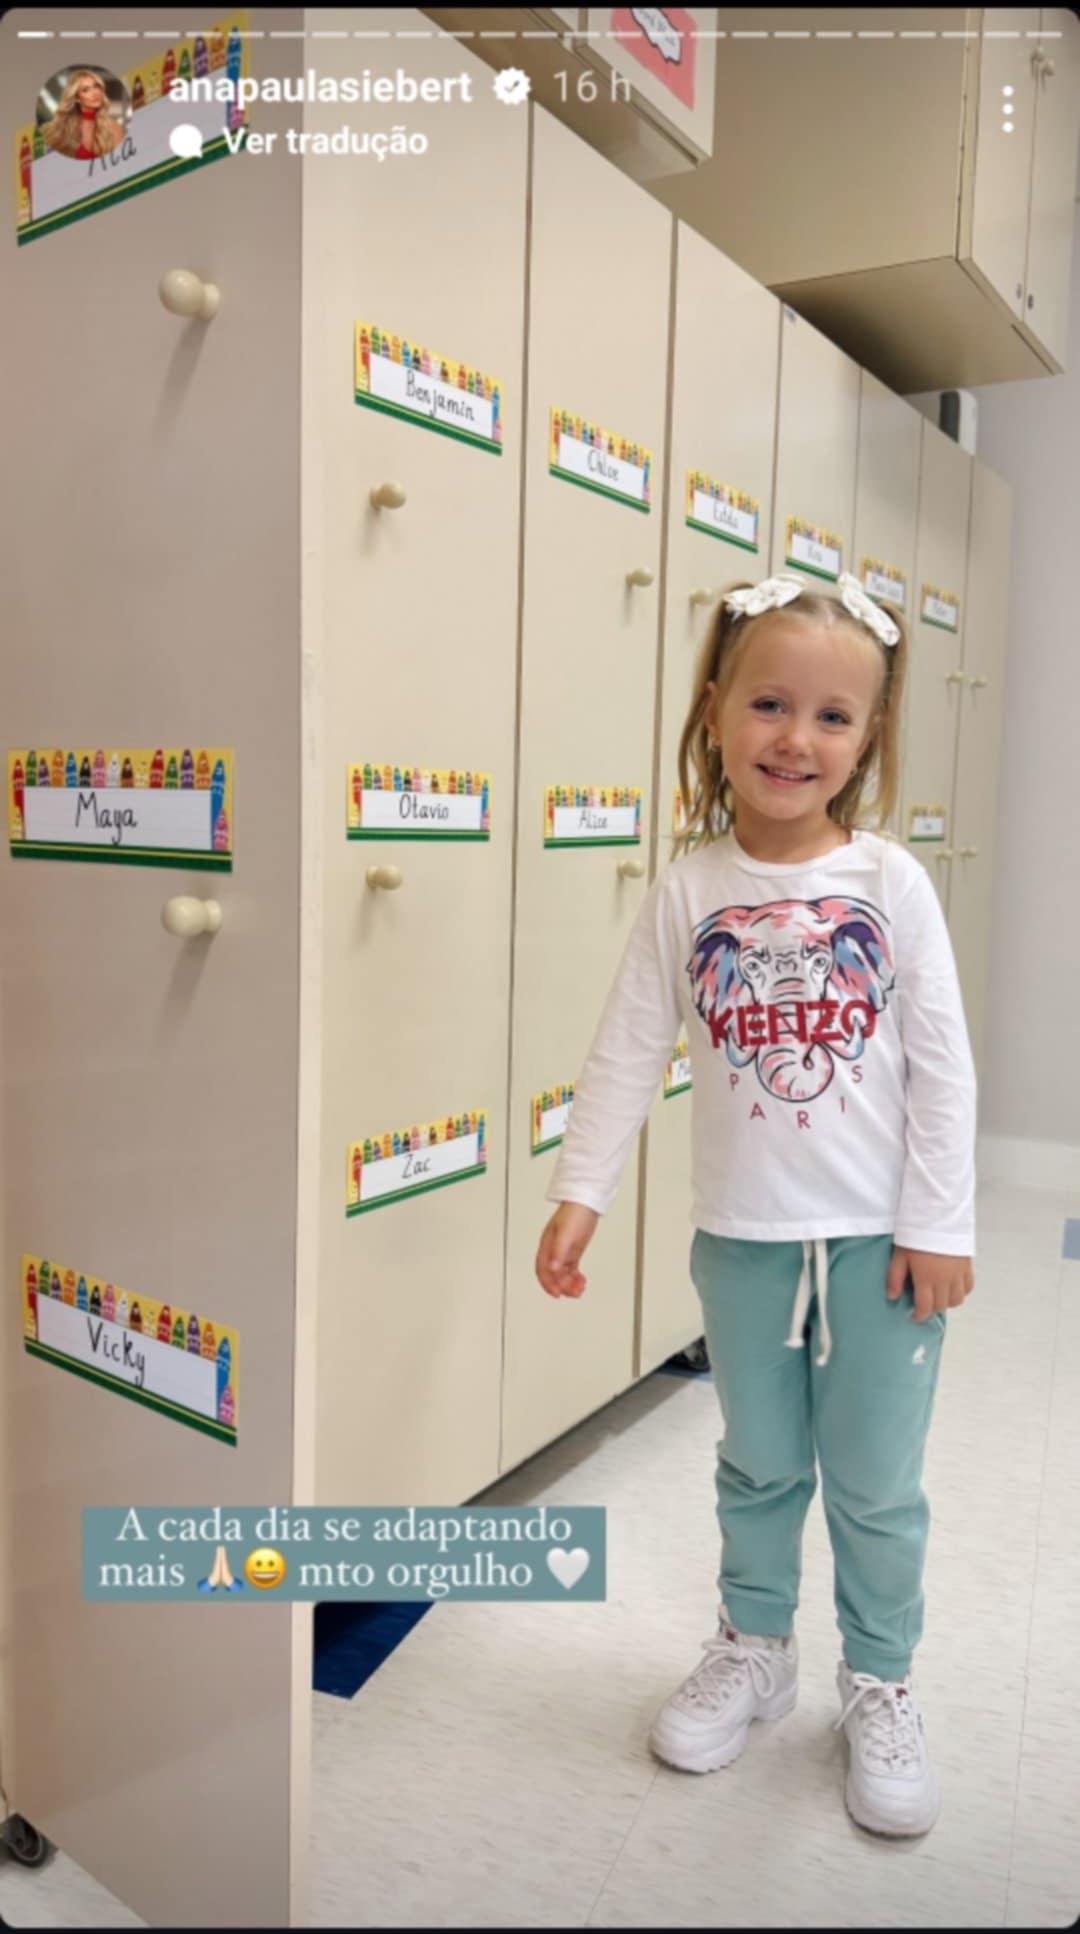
407	1161
927	822
592	816
170	806
721	511
405	379
584	453
813	549
549	1115
940	608
884	581
405	802
677	1075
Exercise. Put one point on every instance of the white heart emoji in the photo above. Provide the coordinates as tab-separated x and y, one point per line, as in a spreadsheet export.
568	1566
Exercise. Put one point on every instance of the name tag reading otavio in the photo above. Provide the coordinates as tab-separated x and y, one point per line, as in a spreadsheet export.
410	802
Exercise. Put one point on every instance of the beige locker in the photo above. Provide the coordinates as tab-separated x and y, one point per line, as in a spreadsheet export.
971	869
723	425
816	448
150	1082
411	649
936	671
599	294
886	504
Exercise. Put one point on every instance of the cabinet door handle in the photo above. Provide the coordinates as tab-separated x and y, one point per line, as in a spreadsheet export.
976	682
631	869
386	496
641	574
388	876
184	293
955	678
946	853
187	916
703	596
969	852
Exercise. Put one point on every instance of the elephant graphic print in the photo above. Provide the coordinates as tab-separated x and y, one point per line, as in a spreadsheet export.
792	984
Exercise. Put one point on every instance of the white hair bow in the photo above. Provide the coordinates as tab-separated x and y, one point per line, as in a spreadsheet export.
780	590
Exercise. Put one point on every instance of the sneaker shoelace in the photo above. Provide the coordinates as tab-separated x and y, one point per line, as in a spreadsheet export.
716	1677
890	1735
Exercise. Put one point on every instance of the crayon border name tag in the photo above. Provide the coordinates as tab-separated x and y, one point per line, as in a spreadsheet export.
584	453
721	511
813	549
926	823
53	190
409	1161
141	806
155	1353
677	1075
549	1113
884	581
403	802
592	816
422	386
939	608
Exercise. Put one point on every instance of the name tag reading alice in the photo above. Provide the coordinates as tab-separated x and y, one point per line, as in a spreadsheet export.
592	815
167	1358
721	511
407	1161
402	377
813	549
550	1113
410	802
169	806
585	453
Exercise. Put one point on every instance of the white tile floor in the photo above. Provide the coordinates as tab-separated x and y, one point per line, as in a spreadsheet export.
495	1771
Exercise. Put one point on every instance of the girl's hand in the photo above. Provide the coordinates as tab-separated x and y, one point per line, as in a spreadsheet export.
939	1282
562	1244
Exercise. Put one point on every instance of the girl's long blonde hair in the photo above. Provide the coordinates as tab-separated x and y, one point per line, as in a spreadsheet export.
870	793
64	131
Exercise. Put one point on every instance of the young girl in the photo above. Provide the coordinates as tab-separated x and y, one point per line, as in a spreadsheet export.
833	1125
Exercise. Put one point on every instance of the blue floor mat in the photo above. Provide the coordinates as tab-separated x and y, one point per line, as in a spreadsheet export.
351	1642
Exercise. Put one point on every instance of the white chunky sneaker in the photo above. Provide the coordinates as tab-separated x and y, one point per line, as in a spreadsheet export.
890	1787
704	1724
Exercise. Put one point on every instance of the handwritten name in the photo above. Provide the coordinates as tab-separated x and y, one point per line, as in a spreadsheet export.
108	817
117	1349
410	806
437	400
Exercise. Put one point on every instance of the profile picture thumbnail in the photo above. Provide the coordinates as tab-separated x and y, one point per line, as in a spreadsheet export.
83	112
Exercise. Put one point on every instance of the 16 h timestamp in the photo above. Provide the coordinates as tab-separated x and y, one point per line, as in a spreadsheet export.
587	86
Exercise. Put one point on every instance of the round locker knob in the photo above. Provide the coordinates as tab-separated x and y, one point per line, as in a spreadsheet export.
975	682
188	916
969	852
641	575
954	678
186	294
387	496
388	876
946	853
703	596
631	869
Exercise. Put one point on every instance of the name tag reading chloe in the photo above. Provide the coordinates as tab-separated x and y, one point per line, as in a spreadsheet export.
583	452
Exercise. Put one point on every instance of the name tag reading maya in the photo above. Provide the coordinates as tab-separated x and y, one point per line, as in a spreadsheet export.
172	806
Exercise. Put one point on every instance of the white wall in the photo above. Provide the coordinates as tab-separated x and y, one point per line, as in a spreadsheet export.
1030	434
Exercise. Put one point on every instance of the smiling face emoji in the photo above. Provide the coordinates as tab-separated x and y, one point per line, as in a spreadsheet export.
264	1568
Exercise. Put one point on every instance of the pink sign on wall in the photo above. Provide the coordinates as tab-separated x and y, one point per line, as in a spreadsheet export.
664	41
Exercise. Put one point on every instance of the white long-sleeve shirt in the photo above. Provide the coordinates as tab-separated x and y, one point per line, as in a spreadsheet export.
833	1081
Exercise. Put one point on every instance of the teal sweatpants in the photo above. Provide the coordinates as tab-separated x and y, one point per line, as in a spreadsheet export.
864	1413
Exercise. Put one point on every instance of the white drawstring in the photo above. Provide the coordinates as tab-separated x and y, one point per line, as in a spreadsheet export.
802	1300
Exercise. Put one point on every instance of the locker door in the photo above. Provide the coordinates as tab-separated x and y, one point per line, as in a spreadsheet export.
412	627
723	424
599	293
974	807
936	674
150	1081
817	438
886	504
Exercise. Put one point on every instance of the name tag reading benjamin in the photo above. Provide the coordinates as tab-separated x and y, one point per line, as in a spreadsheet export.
407	802
405	379
592	816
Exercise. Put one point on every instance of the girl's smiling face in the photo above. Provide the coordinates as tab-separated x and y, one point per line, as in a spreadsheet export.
801	701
